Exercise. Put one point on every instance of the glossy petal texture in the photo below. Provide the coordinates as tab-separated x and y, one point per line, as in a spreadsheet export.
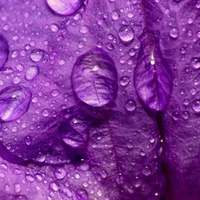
94	78
65	7
152	75
4	51
14	102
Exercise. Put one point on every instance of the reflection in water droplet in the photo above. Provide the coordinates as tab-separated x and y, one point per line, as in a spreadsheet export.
94	78
37	55
54	28
147	170
60	173
31	73
195	62
126	34
124	81
130	105
65	7
174	33
4	51
196	105
14	102
81	194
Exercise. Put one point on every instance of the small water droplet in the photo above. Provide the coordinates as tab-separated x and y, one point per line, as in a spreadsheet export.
7	71
54	186
196	106
45	113
126	34
54	28
124	81
130	105
195	62
174	32
82	194
115	15
54	93
129	144
84	29
147	170
37	55
29	178
60	173
28	140
17	188
175	115
31	73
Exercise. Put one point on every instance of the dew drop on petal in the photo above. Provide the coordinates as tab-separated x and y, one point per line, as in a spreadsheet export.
124	81
4	51
195	62
174	33
37	55
126	34
60	173
196	106
81	194
130	105
94	78
14	102
147	170
31	73
65	7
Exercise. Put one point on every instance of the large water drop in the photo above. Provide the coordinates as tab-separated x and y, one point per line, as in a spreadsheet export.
126	34
4	51
14	101
94	78
65	7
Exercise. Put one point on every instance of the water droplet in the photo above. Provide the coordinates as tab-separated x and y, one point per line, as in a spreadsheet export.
84	29
54	93
94	78
82	194
115	15
124	81
14	102
130	105
126	34
29	178
54	186
174	33
31	73
54	28
60	173
195	62
129	144
7	70
17	188
37	55
109	46
28	140
175	115
4	51
65	7
147	170
45	113
196	106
